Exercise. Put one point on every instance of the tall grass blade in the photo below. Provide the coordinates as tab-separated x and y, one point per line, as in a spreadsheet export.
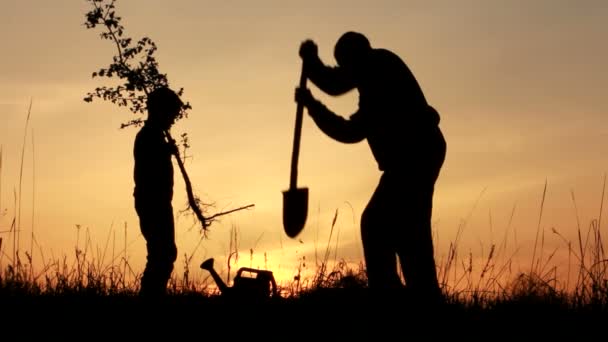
27	122
542	205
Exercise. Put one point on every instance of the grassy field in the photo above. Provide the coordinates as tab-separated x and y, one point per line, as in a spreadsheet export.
341	289
87	288
482	298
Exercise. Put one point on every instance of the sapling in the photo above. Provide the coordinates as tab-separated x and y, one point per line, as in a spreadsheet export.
137	69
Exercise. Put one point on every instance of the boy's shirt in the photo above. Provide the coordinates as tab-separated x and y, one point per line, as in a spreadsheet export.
153	170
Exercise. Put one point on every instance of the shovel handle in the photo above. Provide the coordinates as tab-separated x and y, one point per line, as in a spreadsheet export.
296	137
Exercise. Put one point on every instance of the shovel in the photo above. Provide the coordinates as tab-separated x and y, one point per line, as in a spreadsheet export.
295	200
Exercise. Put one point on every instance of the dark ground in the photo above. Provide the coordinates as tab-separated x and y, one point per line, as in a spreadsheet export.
322	313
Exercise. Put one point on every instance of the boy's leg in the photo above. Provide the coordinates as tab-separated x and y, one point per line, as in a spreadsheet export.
159	231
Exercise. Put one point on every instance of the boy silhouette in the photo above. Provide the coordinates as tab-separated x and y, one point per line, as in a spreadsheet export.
153	193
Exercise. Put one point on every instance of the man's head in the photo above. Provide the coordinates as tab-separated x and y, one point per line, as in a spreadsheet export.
351	49
164	106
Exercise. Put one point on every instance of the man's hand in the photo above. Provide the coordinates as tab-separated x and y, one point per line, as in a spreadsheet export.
308	50
304	97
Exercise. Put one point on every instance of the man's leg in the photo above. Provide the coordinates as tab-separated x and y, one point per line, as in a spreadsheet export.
378	248
416	250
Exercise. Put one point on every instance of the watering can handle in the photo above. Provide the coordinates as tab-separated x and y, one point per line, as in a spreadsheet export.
297	134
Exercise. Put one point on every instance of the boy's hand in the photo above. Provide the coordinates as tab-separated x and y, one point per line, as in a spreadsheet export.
171	144
173	148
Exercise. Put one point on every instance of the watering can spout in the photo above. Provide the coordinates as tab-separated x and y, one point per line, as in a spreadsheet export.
208	266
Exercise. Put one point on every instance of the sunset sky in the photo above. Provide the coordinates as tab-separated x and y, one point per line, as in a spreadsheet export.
520	87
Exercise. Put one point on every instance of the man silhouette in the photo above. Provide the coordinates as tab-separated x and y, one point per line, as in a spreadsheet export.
402	131
153	193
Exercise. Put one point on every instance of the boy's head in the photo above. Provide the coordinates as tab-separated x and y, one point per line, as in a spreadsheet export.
164	106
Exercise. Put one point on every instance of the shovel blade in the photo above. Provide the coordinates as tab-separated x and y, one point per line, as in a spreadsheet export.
295	211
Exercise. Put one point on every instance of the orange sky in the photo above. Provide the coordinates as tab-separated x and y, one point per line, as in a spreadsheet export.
520	87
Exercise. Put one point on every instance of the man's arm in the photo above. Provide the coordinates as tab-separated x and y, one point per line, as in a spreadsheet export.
332	80
348	131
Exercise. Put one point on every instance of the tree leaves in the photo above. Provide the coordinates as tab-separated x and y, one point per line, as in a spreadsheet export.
134	64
